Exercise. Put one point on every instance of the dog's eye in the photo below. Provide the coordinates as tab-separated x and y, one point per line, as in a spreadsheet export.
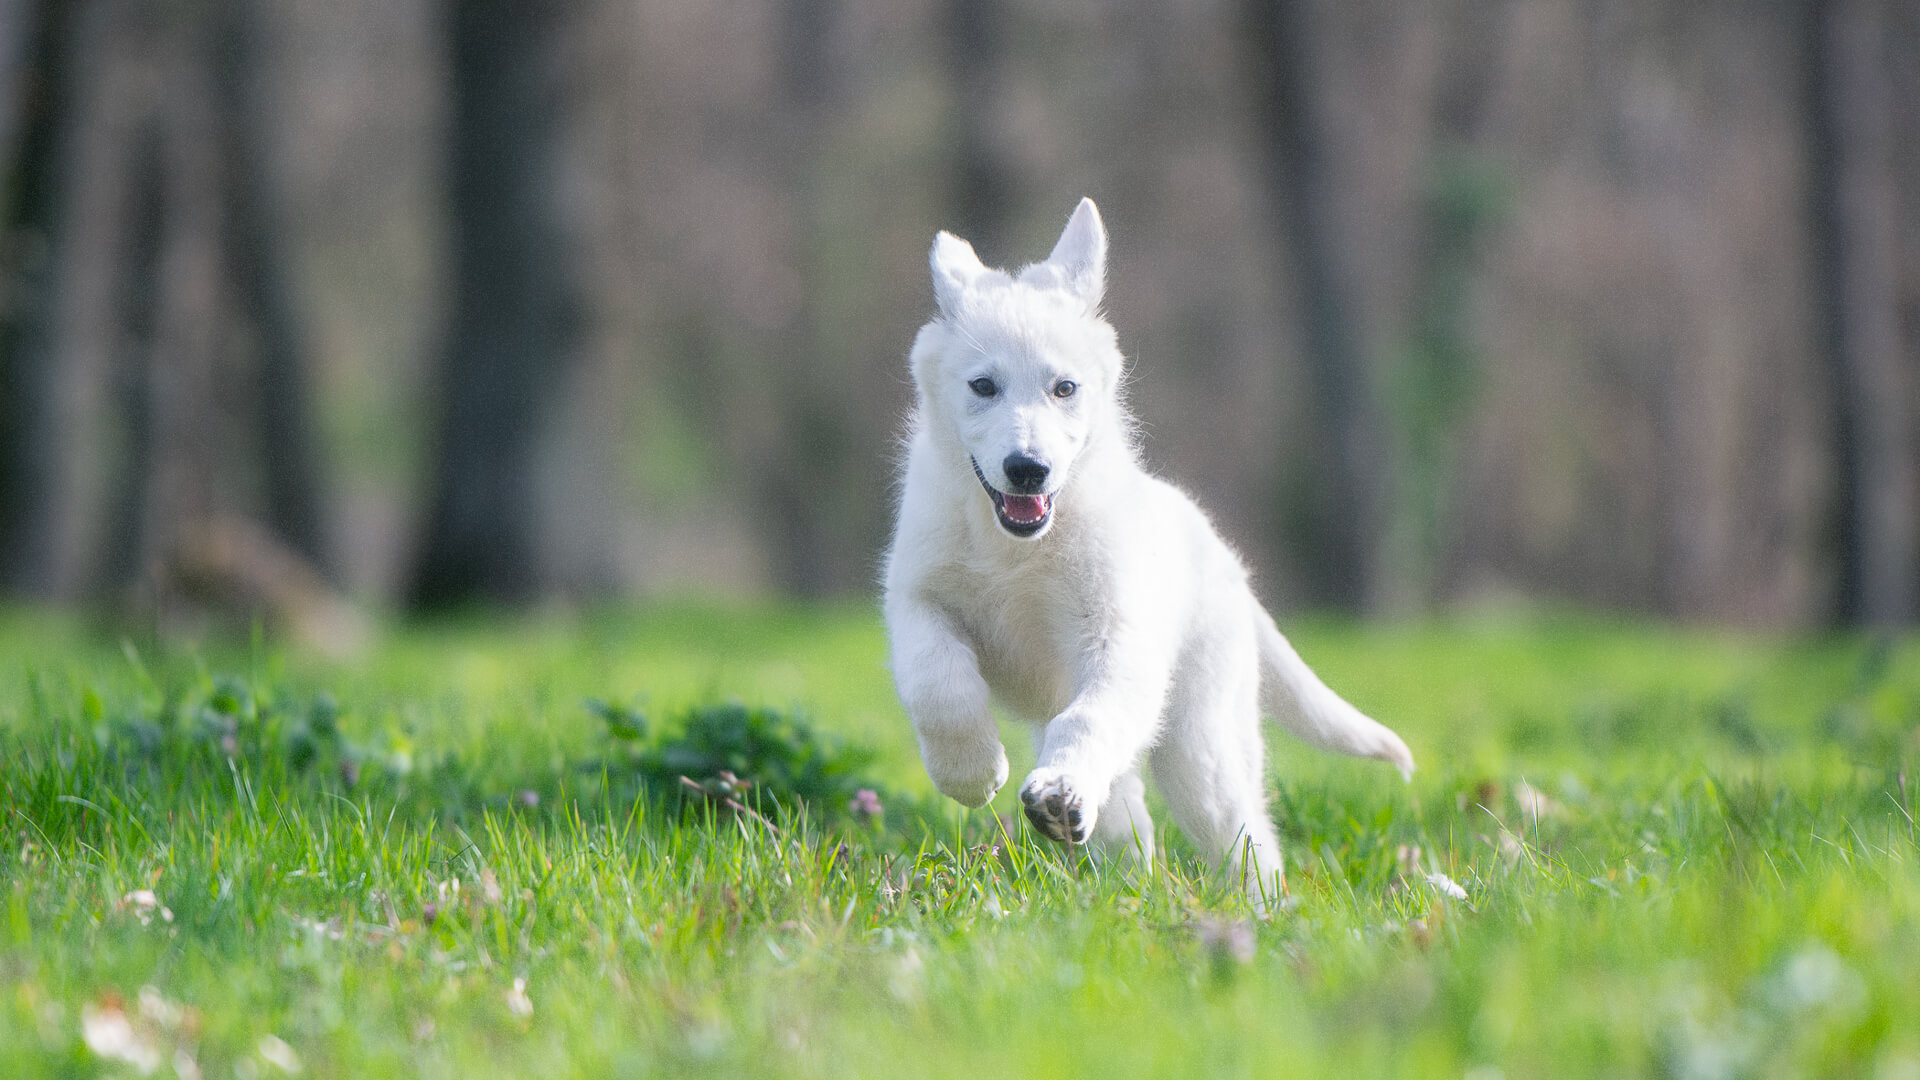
1065	388
984	387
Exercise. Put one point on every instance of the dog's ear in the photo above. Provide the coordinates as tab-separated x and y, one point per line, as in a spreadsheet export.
1079	259
955	269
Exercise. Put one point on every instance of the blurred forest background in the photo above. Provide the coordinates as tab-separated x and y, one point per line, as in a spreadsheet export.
1467	304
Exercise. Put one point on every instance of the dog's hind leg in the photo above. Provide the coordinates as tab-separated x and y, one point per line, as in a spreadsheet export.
1218	798
1211	766
1123	830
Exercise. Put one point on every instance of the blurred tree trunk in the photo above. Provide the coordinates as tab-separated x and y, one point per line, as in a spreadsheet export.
1853	228
134	381
803	468
1436	379
259	268
516	307
975	40
171	244
185	351
1342	481
161	283
30	250
817	481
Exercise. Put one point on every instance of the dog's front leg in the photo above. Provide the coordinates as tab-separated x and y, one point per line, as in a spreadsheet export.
1099	737
947	700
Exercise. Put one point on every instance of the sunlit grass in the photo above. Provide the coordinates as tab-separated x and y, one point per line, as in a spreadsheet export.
1683	854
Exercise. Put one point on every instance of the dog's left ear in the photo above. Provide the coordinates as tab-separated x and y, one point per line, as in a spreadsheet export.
1079	259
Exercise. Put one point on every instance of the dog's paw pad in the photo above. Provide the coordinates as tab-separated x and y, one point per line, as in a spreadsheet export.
1057	809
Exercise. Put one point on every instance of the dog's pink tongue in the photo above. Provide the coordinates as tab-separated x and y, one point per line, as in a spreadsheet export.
1025	509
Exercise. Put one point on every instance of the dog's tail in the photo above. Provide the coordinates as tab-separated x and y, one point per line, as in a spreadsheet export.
1297	700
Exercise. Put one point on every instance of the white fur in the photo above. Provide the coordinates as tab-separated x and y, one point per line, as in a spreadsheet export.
1125	628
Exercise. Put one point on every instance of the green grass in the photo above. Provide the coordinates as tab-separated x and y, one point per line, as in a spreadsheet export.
1684	853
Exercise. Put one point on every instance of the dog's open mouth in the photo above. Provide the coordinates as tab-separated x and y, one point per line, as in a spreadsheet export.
1022	515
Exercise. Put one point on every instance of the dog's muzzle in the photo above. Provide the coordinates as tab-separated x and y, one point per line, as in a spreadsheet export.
1024	516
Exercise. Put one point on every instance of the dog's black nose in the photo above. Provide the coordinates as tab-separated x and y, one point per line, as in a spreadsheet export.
1026	475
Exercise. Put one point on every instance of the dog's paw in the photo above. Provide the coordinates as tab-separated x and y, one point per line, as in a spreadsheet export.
1057	807
968	771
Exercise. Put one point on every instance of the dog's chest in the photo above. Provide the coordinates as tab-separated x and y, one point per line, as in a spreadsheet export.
1028	628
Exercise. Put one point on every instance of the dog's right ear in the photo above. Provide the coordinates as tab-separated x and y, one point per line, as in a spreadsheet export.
955	269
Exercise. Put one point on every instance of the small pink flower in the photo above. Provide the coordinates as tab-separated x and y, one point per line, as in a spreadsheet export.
1227	941
866	804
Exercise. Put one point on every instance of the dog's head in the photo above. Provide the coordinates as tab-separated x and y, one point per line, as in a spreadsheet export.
1021	369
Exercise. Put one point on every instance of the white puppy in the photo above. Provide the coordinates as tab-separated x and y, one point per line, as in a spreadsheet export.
1036	564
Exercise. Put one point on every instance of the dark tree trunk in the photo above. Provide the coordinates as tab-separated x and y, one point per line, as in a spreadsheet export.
1853	227
1342	481
30	248
259	267
515	311
134	383
976	34
810	455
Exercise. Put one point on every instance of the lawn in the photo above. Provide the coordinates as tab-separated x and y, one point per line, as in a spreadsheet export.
1682	853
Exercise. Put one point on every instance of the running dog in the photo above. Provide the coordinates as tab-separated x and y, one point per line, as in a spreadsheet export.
1036	564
